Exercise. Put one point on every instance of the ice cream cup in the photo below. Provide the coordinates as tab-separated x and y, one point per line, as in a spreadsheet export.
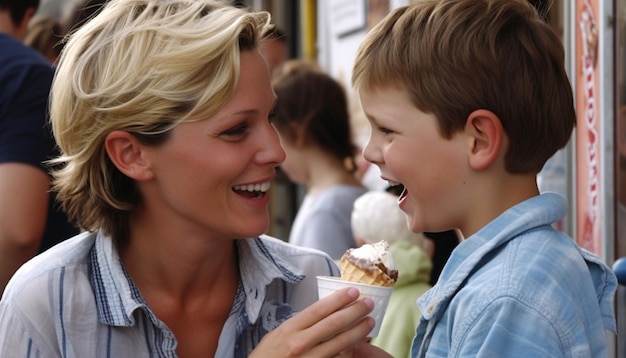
326	285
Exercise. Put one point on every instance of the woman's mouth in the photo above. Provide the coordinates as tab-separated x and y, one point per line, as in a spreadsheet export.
252	191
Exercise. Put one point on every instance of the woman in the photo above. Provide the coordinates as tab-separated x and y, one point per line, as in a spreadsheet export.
162	112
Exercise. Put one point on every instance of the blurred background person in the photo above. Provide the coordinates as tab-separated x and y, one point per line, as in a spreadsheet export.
82	12
30	218
44	35
376	216
313	123
274	47
443	244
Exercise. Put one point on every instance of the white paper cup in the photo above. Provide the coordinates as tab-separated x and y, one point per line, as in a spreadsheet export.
326	285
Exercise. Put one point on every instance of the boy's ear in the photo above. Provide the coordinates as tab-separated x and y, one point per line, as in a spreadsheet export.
126	153
485	133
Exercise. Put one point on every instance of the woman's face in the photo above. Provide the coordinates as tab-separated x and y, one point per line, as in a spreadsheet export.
212	176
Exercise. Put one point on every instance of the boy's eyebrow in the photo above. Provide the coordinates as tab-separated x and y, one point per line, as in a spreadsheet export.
370	117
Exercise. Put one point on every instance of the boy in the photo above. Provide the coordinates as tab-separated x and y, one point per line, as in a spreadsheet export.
467	99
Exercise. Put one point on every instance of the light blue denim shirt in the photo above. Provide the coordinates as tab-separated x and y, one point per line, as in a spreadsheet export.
76	300
519	288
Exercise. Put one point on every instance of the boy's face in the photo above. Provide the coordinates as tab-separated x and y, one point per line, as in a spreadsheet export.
406	145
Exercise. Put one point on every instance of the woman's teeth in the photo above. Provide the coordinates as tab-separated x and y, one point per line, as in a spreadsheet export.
262	187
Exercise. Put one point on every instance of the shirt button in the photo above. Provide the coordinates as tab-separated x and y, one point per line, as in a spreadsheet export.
431	308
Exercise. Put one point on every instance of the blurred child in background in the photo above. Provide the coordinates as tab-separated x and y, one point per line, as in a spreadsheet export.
314	126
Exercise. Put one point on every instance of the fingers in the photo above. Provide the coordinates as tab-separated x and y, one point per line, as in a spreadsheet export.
305	344
339	330
324	307
339	325
324	329
341	344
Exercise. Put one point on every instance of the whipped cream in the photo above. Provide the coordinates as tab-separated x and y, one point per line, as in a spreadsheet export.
371	256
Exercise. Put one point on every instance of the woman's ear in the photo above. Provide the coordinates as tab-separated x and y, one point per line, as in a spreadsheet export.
126	153
486	136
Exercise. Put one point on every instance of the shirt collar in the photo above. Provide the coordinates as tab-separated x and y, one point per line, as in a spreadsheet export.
117	297
260	264
544	209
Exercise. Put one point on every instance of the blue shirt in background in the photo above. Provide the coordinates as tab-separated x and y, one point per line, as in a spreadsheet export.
25	133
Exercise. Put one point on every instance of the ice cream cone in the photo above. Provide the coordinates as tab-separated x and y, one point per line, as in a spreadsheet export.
353	273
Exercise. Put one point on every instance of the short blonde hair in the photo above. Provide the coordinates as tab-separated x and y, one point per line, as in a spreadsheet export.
376	216
141	66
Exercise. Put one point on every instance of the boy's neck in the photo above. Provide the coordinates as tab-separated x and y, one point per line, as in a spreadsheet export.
496	197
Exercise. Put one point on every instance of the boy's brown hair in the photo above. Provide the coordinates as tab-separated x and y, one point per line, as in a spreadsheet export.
456	56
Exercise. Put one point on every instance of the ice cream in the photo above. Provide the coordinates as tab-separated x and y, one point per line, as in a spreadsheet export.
369	268
370	264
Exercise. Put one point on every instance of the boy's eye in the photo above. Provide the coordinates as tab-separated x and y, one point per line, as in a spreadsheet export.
384	130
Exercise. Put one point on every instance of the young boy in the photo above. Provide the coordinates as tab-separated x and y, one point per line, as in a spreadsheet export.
467	100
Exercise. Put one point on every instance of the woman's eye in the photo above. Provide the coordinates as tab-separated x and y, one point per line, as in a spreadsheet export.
236	131
273	116
384	130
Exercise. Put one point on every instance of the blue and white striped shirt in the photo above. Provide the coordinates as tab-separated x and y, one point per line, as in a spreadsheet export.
76	300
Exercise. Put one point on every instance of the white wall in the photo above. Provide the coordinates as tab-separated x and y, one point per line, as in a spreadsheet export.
341	26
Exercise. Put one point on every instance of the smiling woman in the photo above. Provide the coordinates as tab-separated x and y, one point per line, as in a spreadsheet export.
162	111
